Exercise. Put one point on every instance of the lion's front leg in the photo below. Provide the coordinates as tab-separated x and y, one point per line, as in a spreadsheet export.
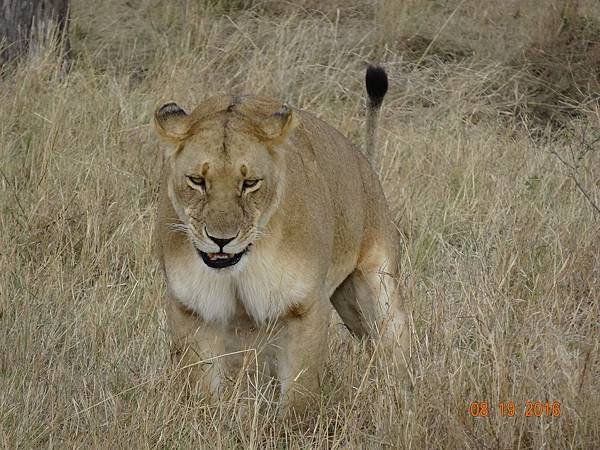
197	346
301	353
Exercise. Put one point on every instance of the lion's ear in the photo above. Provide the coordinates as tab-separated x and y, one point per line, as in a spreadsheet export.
277	126
172	123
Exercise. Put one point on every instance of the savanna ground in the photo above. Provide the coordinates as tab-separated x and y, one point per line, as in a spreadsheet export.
491	165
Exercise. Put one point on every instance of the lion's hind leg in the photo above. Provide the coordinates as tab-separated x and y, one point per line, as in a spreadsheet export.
369	303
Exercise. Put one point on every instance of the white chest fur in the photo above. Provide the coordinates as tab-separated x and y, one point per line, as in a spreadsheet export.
259	282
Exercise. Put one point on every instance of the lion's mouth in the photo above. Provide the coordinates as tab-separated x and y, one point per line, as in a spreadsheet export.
221	260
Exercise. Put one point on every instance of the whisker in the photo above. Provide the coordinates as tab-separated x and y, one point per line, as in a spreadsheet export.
178	227
260	233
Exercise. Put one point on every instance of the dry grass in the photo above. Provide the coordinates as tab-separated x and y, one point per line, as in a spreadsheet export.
501	258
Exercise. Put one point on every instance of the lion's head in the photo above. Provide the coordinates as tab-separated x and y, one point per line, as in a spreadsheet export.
224	171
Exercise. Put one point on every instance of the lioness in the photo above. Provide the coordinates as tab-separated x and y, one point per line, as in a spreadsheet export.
267	217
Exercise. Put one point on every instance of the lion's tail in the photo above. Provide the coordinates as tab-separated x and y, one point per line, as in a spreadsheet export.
376	81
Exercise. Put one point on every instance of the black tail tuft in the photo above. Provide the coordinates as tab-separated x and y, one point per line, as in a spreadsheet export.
377	85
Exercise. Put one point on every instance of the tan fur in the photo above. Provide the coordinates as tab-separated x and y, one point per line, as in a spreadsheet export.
320	234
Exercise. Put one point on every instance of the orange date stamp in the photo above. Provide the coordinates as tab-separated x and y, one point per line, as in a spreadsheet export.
511	409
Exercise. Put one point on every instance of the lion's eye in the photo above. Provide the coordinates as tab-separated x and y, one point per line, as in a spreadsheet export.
248	185
197	182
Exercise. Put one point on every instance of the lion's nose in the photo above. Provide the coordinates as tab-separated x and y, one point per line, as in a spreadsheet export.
221	242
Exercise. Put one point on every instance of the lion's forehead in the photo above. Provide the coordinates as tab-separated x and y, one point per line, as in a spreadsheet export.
226	150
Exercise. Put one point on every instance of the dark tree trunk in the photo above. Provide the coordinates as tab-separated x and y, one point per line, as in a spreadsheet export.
21	21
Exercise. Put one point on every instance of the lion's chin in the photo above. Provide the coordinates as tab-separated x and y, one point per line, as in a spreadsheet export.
221	260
